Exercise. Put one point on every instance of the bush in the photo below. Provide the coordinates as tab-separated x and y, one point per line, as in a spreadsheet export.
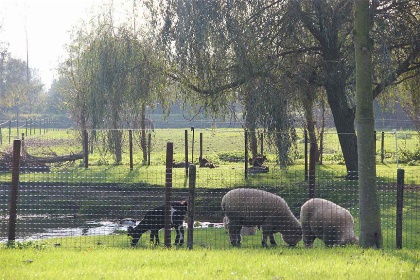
407	156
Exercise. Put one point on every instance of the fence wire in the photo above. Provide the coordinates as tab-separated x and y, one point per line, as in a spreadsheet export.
73	210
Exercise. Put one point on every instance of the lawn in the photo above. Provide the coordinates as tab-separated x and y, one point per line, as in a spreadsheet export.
175	263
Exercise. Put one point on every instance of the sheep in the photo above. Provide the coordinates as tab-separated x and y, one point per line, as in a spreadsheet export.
326	220
203	162
154	220
252	207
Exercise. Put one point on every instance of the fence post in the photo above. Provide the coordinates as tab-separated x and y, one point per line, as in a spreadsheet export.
201	145
23	143
14	191
10	130
246	154
312	160
306	154
262	144
382	147
85	148
186	152
130	140
374	141
191	200
400	204
1	137
149	145
26	127
192	146
168	192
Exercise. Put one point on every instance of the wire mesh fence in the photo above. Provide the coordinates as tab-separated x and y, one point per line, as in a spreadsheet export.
66	204
74	210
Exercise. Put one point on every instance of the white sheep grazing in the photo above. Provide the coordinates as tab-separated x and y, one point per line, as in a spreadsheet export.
252	207
326	220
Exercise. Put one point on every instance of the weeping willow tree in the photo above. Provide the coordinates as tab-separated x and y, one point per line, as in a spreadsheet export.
116	74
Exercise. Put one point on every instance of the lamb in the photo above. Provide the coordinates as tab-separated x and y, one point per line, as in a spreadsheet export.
154	220
326	220
252	207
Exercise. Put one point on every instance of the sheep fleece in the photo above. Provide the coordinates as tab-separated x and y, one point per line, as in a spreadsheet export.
326	220
253	207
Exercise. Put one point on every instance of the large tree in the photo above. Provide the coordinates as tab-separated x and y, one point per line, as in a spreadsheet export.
281	35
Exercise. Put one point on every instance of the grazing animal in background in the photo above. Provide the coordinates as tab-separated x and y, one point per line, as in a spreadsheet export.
127	222
205	163
253	207
180	164
154	220
326	220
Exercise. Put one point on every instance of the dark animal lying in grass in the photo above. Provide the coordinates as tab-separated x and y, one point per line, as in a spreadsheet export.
253	207
257	161
326	220
154	220
205	163
180	164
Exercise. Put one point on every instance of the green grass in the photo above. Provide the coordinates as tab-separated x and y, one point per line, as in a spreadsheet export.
176	263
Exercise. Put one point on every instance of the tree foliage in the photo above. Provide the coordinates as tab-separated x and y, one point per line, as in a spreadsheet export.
219	48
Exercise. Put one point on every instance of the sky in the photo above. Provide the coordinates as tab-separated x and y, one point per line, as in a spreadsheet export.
47	24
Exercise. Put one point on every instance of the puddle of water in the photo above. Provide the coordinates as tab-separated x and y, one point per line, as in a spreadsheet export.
47	227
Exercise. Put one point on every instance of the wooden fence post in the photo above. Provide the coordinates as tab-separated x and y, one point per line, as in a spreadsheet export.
312	160
382	147
23	143
10	131
262	144
400	205
130	140
192	146
306	154
186	152
14	191
1	137
149	146
85	148
168	192
26	127
201	145
246	154
191	200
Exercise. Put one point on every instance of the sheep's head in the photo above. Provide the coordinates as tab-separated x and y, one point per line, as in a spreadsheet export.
135	236
292	237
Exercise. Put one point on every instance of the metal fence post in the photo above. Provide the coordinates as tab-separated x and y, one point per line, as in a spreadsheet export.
191	200
400	204
168	192
14	190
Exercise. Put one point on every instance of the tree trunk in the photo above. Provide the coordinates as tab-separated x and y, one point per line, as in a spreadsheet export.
341	111
143	132
370	216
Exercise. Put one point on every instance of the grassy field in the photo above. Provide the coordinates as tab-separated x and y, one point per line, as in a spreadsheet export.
175	263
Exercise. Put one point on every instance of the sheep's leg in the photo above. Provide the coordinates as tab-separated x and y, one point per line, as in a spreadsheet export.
308	235
179	240
235	234
154	236
272	239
